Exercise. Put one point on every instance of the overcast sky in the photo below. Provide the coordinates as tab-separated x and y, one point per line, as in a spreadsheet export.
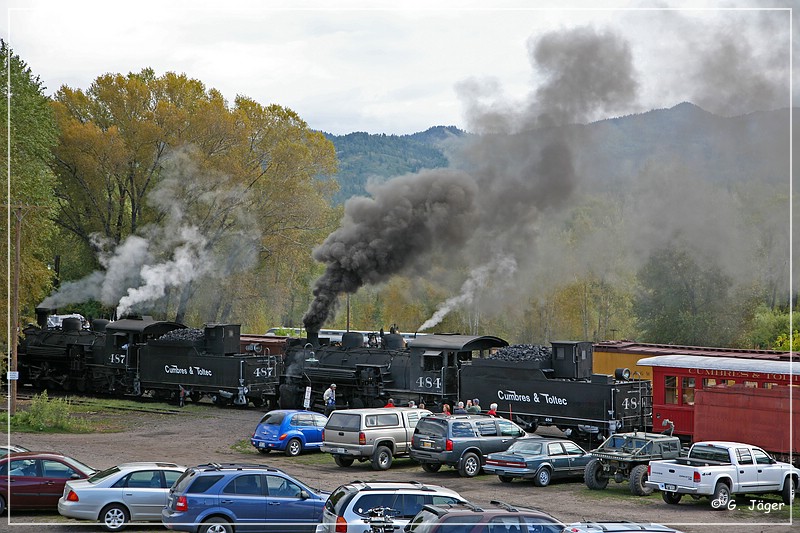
363	65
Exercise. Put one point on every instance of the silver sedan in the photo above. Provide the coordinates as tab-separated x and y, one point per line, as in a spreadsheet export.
130	492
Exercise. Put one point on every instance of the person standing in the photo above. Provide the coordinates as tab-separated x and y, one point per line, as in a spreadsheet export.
329	397
493	410
459	410
474	408
390	403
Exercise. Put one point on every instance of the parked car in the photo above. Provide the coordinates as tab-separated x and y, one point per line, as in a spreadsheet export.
617	527
290	431
376	434
36	479
540	459
469	518
5	449
461	441
350	503
130	492
216	498
720	470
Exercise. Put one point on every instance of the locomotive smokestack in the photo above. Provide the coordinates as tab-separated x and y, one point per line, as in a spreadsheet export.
41	316
313	338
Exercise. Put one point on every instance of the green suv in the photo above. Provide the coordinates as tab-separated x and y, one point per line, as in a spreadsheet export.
461	441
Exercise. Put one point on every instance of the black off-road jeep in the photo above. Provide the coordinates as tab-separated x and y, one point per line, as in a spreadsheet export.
625	456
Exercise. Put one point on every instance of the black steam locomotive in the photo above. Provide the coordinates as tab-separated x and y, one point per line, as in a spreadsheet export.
556	388
138	355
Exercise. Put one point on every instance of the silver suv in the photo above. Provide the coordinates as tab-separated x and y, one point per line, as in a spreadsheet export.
348	506
377	434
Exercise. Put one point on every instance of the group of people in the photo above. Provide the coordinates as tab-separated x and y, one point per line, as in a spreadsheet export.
471	407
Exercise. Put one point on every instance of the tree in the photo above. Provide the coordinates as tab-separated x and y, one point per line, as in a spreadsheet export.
32	133
213	193
682	302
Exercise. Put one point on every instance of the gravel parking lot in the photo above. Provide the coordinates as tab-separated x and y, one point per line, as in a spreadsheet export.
211	436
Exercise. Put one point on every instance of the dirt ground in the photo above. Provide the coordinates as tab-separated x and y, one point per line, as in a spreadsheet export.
212	435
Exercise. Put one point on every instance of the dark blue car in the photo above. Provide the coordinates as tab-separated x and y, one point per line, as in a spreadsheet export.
540	459
289	431
218	498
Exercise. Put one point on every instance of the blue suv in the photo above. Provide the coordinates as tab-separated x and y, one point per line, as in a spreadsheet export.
289	431
215	498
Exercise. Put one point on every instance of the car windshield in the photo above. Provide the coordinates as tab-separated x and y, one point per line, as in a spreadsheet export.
273	419
79	465
527	447
99	476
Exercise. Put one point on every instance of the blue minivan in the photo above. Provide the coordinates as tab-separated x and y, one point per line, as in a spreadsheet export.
290	431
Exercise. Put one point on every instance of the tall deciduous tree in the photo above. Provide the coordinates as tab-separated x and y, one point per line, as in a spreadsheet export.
31	135
682	302
219	192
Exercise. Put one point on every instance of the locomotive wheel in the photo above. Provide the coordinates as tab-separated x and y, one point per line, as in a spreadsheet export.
637	479
358	403
288	397
594	477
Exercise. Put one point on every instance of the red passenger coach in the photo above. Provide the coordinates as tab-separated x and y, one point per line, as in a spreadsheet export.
677	379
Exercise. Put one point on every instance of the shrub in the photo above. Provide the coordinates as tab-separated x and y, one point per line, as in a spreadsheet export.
45	414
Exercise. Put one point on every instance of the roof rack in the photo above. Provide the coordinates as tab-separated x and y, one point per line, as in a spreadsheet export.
504	505
238	466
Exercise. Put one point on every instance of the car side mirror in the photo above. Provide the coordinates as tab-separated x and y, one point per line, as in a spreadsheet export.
304	495
75	476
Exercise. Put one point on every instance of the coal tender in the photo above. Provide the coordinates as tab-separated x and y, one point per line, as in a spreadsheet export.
542	386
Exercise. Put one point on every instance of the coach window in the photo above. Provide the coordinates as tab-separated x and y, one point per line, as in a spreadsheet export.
670	389
751	384
687	391
769	385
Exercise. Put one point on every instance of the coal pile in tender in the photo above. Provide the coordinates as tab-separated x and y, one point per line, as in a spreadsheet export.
523	352
186	334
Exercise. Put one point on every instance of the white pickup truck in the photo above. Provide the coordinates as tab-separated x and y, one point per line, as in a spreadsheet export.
720	469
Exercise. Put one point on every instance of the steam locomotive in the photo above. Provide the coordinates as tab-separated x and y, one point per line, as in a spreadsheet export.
557	389
139	355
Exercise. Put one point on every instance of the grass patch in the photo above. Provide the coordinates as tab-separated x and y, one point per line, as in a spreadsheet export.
46	415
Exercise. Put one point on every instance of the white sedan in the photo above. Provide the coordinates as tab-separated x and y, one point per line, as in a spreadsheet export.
130	492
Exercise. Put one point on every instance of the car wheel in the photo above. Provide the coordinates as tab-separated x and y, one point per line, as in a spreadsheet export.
431	467
506	479
637	479
594	477
470	465
542	478
672	498
265	451
788	491
721	497
2	505
343	461
216	525
114	517
382	458
293	448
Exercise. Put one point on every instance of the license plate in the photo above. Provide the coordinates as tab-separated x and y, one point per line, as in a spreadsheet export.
262	444
427	444
670	487
338	450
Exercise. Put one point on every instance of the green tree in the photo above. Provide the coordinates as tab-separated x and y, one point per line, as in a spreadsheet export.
31	134
226	197
682	302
